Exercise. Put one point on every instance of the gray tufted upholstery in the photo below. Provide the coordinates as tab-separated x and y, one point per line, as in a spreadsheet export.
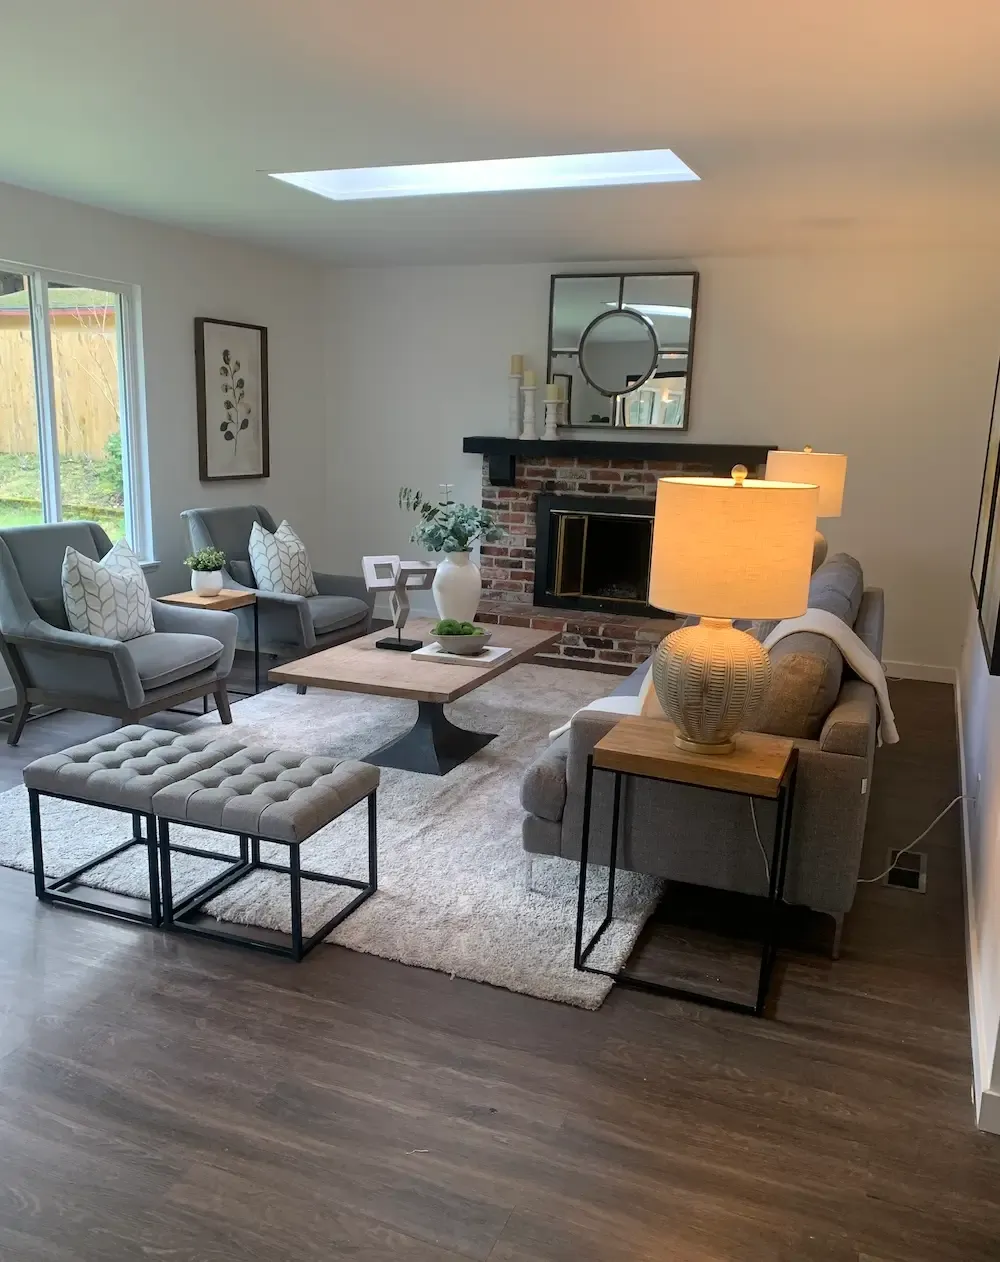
268	793
126	768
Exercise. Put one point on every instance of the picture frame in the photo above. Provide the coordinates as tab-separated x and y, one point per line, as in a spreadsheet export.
231	379
985	569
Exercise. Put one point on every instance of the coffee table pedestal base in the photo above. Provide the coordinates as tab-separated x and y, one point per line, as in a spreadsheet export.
433	745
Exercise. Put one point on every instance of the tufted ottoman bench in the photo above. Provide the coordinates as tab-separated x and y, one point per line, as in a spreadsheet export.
263	794
119	772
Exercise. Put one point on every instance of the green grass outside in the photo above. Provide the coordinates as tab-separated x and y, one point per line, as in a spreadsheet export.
91	491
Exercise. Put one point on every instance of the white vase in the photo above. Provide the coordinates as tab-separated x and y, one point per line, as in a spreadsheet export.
206	582
457	587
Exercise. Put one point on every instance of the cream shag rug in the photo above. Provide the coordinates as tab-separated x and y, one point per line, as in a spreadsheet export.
454	891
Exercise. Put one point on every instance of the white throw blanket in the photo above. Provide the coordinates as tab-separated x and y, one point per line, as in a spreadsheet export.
856	653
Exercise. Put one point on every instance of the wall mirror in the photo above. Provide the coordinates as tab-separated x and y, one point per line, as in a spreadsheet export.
986	550
621	346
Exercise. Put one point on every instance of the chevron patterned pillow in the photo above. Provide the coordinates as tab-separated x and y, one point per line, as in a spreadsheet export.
109	597
280	562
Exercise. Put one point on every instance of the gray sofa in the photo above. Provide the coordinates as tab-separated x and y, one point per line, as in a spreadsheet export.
288	624
687	834
189	655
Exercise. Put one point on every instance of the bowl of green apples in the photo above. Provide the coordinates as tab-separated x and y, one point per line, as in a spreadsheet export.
460	637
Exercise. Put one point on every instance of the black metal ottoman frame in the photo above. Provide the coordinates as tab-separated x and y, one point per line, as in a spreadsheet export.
188	915
140	910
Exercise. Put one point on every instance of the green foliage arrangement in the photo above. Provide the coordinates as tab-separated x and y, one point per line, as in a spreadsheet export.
449	626
206	560
446	526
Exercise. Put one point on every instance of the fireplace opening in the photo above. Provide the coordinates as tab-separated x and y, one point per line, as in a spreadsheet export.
594	554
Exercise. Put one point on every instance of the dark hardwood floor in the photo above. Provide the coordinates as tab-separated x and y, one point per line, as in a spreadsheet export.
167	1099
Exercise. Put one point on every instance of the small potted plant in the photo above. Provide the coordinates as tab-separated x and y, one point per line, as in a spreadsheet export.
206	571
452	529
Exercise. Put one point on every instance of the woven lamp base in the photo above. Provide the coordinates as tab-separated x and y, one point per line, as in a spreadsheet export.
710	680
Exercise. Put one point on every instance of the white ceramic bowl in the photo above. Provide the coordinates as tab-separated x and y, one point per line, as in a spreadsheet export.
464	644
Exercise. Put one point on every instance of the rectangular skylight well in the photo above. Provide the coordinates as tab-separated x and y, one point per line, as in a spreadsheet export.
494	175
654	308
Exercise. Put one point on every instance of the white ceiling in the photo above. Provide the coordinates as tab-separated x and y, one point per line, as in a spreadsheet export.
810	123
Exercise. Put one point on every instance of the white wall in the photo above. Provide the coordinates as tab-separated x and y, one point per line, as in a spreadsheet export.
889	357
182	275
979	699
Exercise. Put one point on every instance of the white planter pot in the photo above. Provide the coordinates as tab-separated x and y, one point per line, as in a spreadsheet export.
457	587
206	582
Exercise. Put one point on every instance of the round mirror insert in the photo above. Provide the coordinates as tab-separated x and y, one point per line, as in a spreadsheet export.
618	351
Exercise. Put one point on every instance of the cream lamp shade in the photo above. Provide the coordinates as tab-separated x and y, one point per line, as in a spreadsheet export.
827	470
732	548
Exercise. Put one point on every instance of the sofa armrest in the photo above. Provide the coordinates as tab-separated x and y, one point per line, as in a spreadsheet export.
850	726
186	620
344	585
543	789
70	662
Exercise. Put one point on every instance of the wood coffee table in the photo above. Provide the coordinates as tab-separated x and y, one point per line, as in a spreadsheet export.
434	745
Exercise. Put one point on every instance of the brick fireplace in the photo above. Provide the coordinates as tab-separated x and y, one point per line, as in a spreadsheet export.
603	636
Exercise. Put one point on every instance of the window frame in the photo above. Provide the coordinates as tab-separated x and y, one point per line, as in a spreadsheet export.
131	397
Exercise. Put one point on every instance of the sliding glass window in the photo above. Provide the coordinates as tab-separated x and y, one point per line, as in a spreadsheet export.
72	442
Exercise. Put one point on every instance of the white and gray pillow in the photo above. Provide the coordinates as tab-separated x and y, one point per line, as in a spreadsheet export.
280	562
109	597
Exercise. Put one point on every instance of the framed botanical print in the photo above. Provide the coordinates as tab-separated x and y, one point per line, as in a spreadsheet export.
986	551
231	372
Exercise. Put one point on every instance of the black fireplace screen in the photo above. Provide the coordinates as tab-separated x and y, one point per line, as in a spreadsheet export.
594	554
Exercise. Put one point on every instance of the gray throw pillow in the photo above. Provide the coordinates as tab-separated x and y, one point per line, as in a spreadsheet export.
108	598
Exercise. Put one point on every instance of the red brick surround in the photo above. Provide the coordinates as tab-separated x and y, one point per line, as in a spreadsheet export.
615	641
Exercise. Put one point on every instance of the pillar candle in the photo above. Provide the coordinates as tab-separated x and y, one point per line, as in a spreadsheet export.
516	365
529	378
552	392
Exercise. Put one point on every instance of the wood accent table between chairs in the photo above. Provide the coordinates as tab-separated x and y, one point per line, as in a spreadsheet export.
228	599
434	745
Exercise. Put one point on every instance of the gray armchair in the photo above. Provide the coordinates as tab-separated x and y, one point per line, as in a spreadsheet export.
189	655
289	625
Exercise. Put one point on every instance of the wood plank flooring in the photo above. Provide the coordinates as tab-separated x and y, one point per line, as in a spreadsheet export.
168	1099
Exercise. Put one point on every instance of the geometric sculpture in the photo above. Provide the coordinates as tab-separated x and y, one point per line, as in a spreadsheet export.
398	578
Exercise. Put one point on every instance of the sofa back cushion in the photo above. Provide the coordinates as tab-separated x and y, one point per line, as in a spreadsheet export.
808	669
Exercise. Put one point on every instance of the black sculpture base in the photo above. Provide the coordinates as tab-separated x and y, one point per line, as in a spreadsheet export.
401	646
433	745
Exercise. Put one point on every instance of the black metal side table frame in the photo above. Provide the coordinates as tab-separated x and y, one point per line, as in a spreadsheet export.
776	888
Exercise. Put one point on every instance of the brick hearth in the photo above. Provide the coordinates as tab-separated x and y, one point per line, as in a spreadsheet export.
615	641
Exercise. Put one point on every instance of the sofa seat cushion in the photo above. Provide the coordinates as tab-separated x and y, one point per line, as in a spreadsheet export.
166	656
332	613
807	669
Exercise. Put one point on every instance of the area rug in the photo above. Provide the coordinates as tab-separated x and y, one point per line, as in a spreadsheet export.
456	890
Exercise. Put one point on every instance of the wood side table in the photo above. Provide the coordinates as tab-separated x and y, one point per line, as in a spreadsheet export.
761	766
228	599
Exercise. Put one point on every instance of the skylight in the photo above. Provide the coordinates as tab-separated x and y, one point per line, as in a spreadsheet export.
494	175
654	308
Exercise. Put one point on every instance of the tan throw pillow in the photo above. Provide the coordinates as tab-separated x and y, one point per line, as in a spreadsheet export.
649	702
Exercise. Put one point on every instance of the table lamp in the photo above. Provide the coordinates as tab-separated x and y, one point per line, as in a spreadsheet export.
826	470
724	548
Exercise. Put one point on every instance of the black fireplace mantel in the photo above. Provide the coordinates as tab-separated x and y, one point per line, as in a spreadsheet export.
501	453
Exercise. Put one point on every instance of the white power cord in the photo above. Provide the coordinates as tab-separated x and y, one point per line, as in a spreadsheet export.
756	833
871	880
863	880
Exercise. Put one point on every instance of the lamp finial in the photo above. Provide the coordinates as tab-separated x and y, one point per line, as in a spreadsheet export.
739	474
807	449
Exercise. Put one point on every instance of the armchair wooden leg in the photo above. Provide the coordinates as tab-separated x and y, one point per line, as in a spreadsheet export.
838	932
17	722
300	689
222	704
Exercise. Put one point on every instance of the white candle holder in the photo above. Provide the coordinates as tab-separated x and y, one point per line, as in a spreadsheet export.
552	410
514	404
528	395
